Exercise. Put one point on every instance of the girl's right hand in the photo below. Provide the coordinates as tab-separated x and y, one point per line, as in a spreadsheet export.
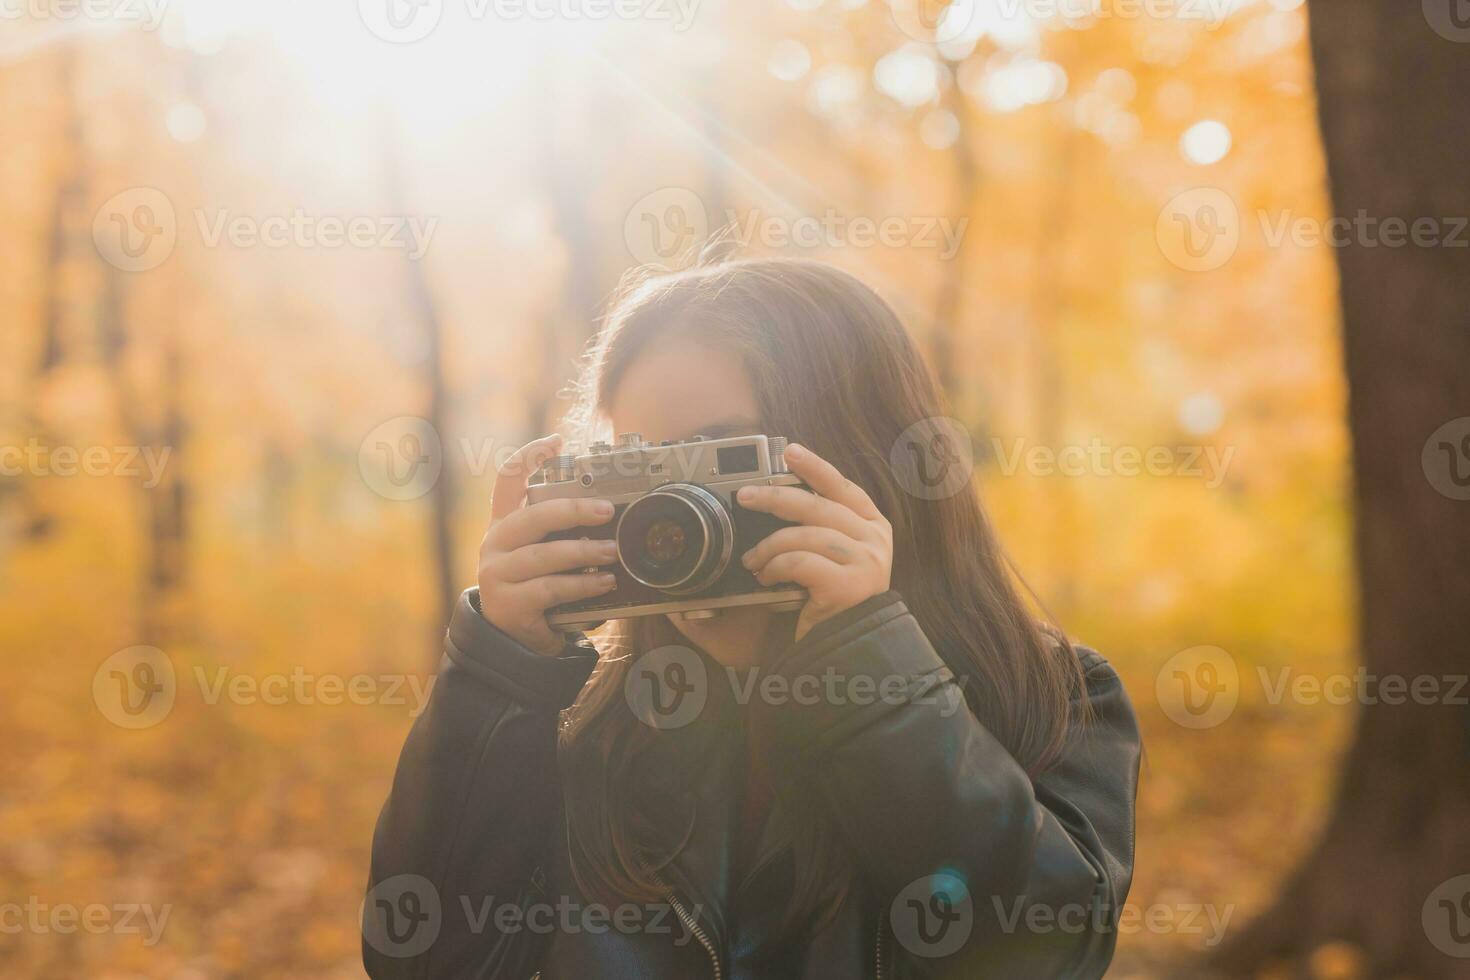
521	576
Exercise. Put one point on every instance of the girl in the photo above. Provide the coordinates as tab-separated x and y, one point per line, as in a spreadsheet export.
911	776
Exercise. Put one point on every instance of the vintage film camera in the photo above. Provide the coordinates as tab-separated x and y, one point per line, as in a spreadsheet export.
678	527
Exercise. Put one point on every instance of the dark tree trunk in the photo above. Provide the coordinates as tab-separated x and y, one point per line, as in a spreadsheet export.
66	209
722	244
568	175
1396	125
164	505
949	306
424	307
1049	307
153	420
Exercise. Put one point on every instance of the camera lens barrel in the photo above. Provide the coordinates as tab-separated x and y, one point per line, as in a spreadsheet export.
676	539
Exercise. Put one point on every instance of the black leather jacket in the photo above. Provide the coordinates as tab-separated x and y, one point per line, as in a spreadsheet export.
966	867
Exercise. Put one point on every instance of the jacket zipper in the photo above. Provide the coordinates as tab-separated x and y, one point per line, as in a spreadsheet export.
878	954
698	933
695	929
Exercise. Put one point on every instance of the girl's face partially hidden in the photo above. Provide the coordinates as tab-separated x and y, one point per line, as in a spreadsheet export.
679	389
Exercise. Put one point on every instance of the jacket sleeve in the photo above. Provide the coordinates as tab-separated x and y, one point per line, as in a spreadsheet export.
984	871
473	803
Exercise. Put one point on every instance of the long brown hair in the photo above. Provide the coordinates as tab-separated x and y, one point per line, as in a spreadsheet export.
833	368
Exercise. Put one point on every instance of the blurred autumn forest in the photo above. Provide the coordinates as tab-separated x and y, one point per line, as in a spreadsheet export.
185	299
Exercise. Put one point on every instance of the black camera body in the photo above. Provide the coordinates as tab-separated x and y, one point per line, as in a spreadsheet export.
679	530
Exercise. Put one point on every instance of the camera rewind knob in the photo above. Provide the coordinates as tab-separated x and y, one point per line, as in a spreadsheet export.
776	445
560	468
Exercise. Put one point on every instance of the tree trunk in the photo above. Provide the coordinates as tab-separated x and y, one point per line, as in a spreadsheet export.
569	322
1396	126
949	306
422	303
164	528
36	521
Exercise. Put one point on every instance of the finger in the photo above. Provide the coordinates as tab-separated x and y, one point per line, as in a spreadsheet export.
802	567
523	606
510	479
553	590
530	524
828	481
804	507
548	557
822	541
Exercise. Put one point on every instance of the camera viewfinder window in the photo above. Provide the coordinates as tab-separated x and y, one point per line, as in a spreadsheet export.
736	459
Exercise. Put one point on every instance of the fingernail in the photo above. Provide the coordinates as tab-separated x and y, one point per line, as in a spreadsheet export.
607	549
745	494
603	508
795	449
607	580
745	558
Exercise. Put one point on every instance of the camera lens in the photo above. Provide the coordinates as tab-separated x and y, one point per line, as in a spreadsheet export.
676	539
664	542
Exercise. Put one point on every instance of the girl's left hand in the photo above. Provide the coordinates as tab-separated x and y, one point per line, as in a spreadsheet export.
841	550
